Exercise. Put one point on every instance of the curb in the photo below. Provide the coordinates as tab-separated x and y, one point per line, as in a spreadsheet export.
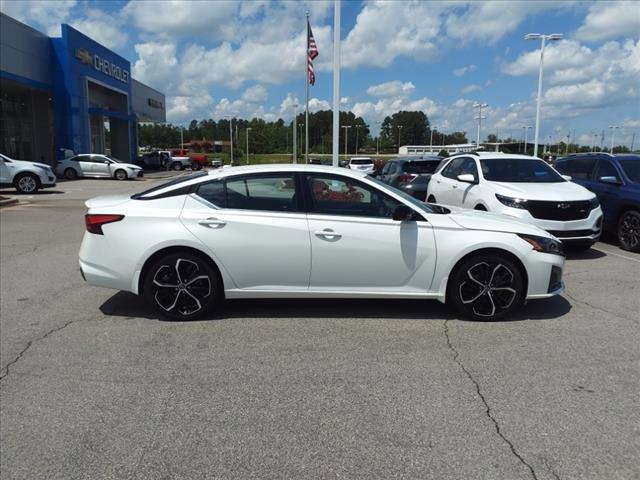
5	202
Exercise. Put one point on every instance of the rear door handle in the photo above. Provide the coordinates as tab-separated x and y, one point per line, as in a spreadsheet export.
212	222
327	233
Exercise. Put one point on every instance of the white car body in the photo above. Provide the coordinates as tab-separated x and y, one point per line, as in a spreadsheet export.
96	165
26	177
362	164
562	208
262	253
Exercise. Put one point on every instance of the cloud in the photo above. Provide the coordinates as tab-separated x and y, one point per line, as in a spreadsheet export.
102	28
607	20
255	94
459	72
394	88
45	15
470	89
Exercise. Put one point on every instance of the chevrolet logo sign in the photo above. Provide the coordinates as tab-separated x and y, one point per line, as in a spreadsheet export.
564	205
84	56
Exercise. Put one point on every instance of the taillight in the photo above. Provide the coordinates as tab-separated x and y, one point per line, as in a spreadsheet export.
94	222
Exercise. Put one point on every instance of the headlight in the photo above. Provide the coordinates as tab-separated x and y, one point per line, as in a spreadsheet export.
46	169
512	202
544	244
594	203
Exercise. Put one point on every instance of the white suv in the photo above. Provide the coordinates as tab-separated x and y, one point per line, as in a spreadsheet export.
362	164
522	187
24	176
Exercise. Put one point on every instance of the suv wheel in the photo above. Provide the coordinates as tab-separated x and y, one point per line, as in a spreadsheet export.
629	230
26	183
431	199
182	286
486	287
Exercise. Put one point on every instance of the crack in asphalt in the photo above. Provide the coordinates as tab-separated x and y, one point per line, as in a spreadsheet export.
595	307
488	413
30	343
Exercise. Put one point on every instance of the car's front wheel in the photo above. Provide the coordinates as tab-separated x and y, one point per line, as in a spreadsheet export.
120	174
182	286
486	287
176	166
629	230
26	183
431	199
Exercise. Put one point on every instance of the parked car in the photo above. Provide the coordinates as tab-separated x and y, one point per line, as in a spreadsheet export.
362	164
615	179
410	174
522	187
217	163
24	176
97	165
272	231
164	159
197	160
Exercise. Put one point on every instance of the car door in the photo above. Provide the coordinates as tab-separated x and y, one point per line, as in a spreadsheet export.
447	182
356	245
255	227
100	166
464	194
85	165
5	175
606	192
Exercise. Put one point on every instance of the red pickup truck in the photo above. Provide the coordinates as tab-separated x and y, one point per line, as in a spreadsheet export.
198	160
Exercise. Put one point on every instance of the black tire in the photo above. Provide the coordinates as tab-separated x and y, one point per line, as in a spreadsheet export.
195	166
70	174
431	199
120	174
182	286
176	166
486	287
26	183
629	231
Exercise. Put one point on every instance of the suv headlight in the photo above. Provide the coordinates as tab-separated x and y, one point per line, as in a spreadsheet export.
512	202
543	244
46	169
594	203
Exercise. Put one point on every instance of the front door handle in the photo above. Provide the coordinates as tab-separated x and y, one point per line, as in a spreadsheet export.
212	222
328	234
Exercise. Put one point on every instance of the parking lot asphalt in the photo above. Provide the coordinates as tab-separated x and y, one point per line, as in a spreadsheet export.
94	386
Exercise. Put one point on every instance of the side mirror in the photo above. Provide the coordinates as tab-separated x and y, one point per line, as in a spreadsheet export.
568	178
467	178
610	180
402	213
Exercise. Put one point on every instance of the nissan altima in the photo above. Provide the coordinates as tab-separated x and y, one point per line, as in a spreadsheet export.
283	231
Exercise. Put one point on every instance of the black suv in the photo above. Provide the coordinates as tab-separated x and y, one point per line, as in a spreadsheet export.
410	174
615	179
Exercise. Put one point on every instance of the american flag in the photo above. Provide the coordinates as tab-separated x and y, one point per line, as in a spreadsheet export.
312	52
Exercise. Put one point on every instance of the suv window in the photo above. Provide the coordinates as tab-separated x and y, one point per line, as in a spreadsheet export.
469	166
606	169
274	192
361	161
336	195
578	168
453	169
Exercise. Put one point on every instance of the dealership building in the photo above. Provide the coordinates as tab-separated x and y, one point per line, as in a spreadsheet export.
68	93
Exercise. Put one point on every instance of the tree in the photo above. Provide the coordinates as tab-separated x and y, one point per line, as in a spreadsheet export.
443	153
405	128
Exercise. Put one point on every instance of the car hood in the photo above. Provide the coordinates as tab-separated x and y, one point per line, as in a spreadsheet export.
127	165
554	192
27	163
106	201
492	222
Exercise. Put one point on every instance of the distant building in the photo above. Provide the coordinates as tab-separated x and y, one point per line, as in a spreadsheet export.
434	149
68	93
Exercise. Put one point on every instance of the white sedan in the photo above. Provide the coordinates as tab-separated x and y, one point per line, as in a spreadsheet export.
97	165
310	231
24	176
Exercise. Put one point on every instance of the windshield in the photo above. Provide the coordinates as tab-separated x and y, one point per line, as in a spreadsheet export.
361	161
425	166
424	207
519	170
631	167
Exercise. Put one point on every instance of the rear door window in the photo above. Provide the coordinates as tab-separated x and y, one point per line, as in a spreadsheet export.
274	192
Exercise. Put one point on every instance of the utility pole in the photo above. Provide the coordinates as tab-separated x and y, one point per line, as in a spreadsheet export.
336	84
230	138
526	129
595	142
566	150
248	130
357	134
399	133
479	106
295	134
431	140
613	134
633	139
346	137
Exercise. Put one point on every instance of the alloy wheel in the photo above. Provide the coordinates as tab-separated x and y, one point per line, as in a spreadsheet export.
27	184
181	288
629	232
488	288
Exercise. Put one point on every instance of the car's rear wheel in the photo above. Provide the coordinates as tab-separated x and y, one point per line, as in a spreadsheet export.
70	174
26	183
176	166
486	287
182	286
629	230
196	166
431	199
120	174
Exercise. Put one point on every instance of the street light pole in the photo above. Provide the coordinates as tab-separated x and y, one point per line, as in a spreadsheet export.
230	138
346	137
295	134
613	134
526	129
479	106
399	136
357	135
248	130
181	138
431	140
544	38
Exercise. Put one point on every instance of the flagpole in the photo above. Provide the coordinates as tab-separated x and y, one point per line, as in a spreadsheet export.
336	83
306	97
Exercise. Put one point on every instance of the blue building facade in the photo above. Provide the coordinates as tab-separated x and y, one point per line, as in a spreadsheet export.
76	94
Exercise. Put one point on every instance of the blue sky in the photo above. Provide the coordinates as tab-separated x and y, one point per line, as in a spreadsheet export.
247	58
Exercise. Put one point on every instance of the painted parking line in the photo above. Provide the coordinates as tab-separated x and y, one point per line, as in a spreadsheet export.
609	252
